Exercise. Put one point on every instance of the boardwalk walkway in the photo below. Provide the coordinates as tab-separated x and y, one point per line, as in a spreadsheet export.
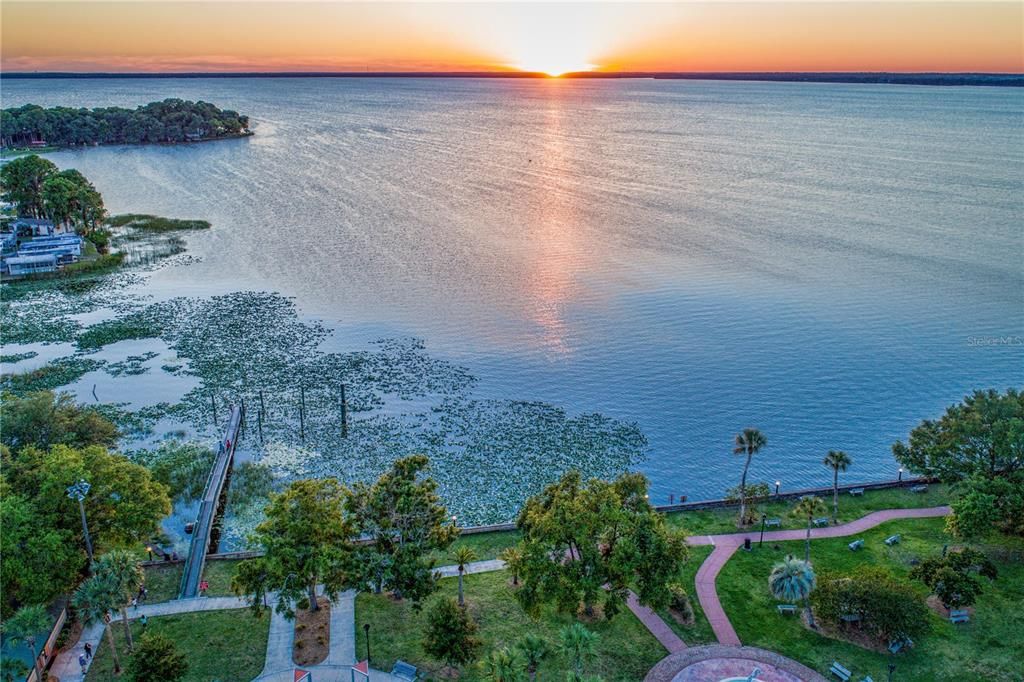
727	544
200	544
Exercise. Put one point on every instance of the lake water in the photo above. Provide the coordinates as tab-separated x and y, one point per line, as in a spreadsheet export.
828	263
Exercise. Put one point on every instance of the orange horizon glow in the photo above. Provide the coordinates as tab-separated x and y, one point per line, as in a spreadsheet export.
551	38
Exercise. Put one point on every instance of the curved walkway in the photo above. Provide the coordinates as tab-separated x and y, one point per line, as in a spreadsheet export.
716	661
726	545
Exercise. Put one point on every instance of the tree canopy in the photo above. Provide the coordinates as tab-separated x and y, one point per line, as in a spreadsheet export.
157	659
42	419
983	435
168	121
589	542
887	607
41	191
983	506
307	540
953	577
404	516
451	633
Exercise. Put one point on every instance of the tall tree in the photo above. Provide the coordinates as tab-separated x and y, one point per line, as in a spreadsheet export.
463	557
307	539
121	571
748	443
983	435
807	509
579	645
404	515
837	461
94	600
793	580
250	581
588	543
157	659
21	182
952	577
983	506
451	633
25	626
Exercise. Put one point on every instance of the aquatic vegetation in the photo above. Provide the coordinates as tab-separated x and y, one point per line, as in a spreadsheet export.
182	467
132	326
144	221
18	357
130	366
50	376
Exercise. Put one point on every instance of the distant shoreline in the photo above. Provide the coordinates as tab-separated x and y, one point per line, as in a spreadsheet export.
938	79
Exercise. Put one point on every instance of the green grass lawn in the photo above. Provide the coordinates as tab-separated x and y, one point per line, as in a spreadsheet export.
220	645
626	650
163	581
700	632
218	573
712	521
486	545
986	648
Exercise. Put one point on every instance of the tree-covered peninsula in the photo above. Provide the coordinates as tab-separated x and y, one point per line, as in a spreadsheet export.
168	122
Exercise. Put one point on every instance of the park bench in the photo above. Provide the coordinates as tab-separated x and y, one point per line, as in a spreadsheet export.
777	523
898	645
822	521
919	489
786	608
892	540
855	545
850	617
857	491
403	670
867	678
840	672
959	616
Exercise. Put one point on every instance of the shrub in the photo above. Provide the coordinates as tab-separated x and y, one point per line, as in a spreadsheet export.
952	577
887	607
451	633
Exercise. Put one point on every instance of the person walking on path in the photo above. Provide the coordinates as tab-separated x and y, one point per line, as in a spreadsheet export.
83	661
88	650
143	621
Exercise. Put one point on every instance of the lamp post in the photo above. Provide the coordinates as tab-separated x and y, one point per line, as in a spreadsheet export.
892	667
777	484
78	491
764	517
149	548
899	476
366	629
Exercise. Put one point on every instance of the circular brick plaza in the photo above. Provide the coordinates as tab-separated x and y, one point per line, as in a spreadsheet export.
719	663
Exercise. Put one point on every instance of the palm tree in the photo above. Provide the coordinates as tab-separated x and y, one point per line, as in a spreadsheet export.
25	625
749	442
513	558
837	460
122	570
809	507
578	645
793	580
503	665
94	599
534	650
463	556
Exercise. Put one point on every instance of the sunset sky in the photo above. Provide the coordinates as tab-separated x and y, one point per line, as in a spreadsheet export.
552	37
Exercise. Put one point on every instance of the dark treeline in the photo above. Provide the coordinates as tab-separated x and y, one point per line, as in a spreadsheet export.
169	121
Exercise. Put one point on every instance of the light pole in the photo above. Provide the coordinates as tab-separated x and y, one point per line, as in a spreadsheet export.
892	667
149	548
366	629
899	476
764	517
78	491
777	484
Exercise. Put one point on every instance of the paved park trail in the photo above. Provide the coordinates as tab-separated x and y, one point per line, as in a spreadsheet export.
726	545
278	663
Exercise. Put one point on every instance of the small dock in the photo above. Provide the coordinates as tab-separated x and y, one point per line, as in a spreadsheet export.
209	506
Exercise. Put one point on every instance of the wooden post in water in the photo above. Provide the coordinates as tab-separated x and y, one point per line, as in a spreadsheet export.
302	413
259	416
344	413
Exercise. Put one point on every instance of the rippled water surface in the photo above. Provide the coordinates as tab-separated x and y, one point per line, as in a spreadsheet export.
830	263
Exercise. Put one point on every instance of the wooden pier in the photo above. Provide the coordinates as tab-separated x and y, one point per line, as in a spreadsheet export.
209	506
